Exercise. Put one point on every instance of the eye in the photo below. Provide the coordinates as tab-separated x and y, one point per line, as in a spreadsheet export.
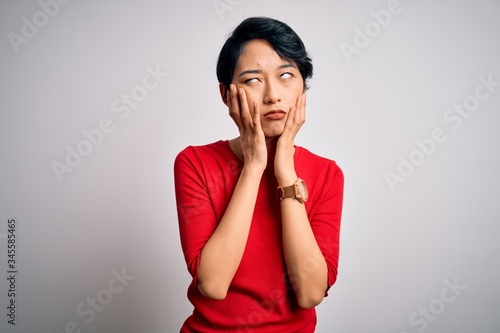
286	75
252	80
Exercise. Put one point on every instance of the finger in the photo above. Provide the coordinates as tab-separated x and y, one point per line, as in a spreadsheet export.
256	118
244	110
229	101
301	108
295	118
290	119
300	111
234	107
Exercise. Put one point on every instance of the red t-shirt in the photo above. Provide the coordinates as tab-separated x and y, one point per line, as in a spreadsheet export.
260	297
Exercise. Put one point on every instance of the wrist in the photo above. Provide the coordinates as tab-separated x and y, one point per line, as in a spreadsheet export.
284	170
286	179
297	190
252	170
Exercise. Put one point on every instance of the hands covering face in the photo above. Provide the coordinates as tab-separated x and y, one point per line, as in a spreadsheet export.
252	126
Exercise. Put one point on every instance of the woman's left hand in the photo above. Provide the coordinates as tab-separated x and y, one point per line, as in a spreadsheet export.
284	168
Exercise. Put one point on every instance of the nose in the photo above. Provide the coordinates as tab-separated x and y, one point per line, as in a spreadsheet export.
271	94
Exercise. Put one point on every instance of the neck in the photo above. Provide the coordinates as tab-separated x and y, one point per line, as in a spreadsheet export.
271	147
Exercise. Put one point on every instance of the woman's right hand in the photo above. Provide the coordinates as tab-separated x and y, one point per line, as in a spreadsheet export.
252	139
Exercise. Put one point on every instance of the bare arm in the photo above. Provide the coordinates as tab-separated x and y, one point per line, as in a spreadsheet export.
306	265
222	253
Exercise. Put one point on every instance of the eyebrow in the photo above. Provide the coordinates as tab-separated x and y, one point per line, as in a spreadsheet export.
258	71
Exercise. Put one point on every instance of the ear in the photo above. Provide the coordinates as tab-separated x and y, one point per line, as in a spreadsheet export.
223	92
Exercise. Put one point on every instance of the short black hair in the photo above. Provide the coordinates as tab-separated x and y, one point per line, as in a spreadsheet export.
282	38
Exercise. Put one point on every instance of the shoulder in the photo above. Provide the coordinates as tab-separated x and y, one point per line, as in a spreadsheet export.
210	157
204	149
311	161
318	172
323	177
193	153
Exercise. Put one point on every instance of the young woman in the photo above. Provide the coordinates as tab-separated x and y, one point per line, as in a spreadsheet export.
259	217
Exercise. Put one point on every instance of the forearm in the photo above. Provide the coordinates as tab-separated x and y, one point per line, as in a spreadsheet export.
222	253
305	263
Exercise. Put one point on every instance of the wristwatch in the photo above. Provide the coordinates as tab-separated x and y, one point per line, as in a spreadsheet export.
297	190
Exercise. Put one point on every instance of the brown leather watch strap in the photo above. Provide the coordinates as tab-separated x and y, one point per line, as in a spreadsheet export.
288	192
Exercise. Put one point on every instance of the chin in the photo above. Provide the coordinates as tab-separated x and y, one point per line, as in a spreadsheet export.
274	131
273	134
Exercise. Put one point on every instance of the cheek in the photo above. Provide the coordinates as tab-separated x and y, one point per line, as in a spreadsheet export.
295	91
299	88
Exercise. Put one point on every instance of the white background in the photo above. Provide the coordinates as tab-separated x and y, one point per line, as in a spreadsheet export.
116	209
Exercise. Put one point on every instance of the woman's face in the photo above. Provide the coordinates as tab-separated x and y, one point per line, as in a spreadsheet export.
270	81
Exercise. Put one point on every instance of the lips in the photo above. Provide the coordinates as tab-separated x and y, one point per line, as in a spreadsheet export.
275	114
